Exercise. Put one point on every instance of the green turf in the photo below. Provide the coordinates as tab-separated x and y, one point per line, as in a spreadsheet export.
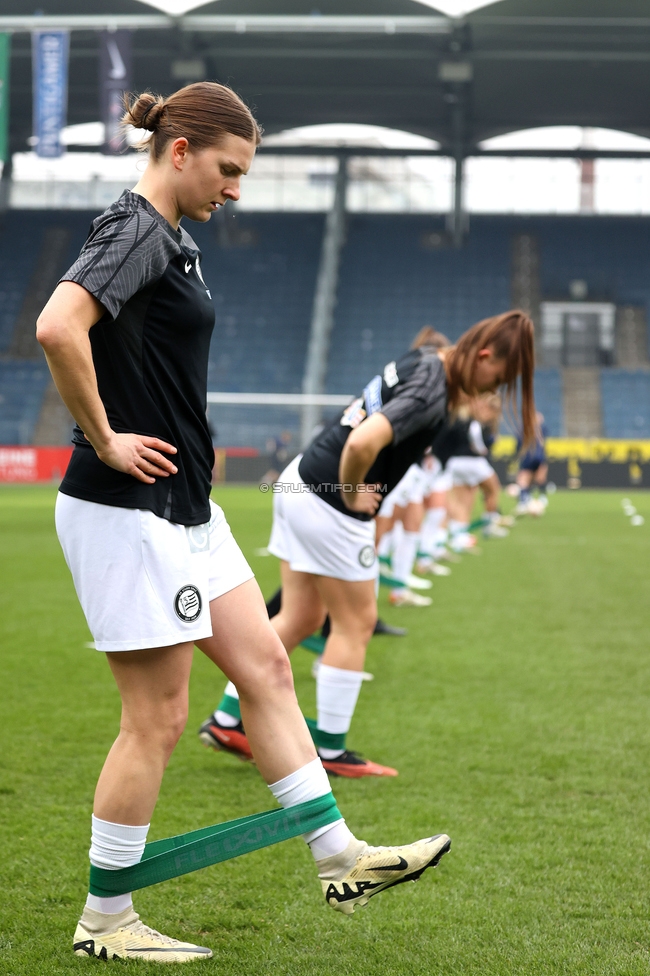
516	711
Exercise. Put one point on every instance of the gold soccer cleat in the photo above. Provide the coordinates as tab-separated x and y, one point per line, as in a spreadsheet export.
124	936
375	869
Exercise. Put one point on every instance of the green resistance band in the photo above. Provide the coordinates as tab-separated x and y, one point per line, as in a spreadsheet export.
174	856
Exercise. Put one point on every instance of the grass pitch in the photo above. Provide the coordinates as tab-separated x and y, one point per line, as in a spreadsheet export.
516	711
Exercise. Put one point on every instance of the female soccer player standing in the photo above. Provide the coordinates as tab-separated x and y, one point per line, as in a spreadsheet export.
156	569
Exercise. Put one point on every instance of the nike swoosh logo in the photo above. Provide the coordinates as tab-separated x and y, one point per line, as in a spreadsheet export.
188	265
400	866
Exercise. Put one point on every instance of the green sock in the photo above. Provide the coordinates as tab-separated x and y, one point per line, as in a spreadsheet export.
315	644
325	740
230	706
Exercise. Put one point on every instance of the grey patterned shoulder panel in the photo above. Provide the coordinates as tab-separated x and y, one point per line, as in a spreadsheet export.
125	252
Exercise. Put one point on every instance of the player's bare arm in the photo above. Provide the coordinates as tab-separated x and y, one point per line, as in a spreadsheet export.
63	331
358	455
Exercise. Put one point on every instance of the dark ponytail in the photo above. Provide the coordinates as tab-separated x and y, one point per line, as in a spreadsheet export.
202	113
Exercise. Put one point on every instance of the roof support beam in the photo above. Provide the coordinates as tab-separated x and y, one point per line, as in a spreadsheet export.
232	24
432	57
271	150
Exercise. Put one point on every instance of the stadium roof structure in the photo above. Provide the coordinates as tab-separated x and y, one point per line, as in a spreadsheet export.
510	65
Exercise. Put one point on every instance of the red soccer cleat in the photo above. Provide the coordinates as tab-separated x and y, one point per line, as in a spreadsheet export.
226	739
352	765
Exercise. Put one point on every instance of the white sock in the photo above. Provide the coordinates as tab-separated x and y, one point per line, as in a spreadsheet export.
404	555
308	783
385	546
224	718
433	519
337	691
398	530
115	846
456	527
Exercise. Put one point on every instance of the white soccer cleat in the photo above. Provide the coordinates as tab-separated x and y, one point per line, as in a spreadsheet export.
495	531
126	937
407	598
536	507
415	583
347	886
507	521
462	542
432	568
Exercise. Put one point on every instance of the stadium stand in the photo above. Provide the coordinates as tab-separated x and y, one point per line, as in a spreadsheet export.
262	278
626	403
398	273
548	397
17	265
396	277
261	271
21	240
22	385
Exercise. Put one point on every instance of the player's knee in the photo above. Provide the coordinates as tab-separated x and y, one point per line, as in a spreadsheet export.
366	621
270	674
172	724
278	670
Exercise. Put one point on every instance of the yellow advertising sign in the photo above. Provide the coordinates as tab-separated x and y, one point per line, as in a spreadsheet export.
582	449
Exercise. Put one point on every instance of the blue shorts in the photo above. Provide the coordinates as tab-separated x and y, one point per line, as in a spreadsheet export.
532	461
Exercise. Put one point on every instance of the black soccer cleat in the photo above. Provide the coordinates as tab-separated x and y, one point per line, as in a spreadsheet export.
382	628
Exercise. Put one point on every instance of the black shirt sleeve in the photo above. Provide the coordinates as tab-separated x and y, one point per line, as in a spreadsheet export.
122	254
421	402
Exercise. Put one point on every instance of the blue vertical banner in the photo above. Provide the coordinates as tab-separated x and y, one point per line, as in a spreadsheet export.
50	53
114	79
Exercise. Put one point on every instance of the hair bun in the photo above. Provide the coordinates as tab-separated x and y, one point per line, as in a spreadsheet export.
145	112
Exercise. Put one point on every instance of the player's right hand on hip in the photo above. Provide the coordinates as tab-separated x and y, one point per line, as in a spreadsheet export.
366	501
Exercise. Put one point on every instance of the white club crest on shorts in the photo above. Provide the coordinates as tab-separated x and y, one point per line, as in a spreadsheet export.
367	556
187	603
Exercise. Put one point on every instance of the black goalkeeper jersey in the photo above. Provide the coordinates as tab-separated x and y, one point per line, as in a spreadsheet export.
150	351
412	394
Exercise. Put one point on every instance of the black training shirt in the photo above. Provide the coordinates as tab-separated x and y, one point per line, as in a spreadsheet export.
412	394
462	438
150	351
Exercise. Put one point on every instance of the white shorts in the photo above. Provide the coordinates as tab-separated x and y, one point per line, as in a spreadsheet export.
315	538
411	489
469	471
143	581
441	483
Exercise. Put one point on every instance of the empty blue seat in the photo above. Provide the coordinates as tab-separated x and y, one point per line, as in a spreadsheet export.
626	403
22	385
